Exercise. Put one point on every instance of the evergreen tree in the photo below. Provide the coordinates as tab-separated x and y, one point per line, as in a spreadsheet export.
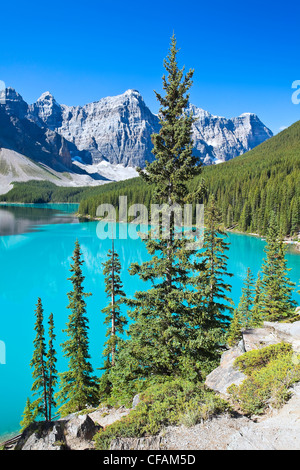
256	311
246	301
38	362
77	385
214	251
235	330
212	304
29	415
276	297
158	341
242	317
114	291
113	319
51	367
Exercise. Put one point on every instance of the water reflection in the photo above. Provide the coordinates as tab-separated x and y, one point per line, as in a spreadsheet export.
15	220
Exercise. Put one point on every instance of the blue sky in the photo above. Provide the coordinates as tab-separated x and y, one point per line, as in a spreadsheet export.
245	54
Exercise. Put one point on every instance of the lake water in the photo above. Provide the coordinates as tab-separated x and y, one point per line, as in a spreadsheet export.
36	245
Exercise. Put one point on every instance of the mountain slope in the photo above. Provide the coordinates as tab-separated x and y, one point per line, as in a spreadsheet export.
246	188
106	140
118	129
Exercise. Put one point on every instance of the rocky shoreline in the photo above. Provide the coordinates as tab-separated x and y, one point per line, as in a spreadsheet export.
274	430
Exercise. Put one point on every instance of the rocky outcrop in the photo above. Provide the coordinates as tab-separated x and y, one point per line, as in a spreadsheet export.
226	374
74	432
280	431
272	333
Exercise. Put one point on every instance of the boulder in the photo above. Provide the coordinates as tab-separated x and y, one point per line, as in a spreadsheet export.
81	427
288	332
225	375
74	432
42	436
136	400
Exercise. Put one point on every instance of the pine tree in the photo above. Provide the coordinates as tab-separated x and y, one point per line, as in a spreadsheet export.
212	303
235	330
158	335
38	362
214	248
77	386
51	367
113	319
29	414
246	301
256	310
242	317
114	291
276	297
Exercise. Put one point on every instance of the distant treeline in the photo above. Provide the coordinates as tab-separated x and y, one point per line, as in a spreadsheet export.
247	189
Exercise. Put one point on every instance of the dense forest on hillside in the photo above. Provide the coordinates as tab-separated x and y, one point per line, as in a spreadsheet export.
247	189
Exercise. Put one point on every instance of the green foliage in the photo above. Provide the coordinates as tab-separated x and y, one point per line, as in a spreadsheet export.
161	405
270	371
114	321
40	372
243	314
51	367
77	385
29	415
275	300
247	188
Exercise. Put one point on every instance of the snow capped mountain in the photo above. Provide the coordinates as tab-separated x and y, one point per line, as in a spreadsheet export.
218	139
107	139
118	129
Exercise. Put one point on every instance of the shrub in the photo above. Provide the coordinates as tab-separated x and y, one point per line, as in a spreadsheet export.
270	373
162	405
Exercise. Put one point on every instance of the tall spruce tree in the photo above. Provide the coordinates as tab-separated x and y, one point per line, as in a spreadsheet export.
29	414
212	304
257	319
158	344
246	301
51	367
243	314
113	318
78	387
276	296
38	364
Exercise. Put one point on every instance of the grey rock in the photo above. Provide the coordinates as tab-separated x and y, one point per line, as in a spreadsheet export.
256	338
119	128
42	436
288	332
136	400
144	443
226	375
218	139
82	427
280	431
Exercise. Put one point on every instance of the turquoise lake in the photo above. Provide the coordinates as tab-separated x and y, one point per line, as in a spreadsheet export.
36	245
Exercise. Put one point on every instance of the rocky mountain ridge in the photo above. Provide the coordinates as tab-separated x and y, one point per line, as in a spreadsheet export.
118	129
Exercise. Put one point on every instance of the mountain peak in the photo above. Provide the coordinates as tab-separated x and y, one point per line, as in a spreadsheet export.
46	96
132	92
